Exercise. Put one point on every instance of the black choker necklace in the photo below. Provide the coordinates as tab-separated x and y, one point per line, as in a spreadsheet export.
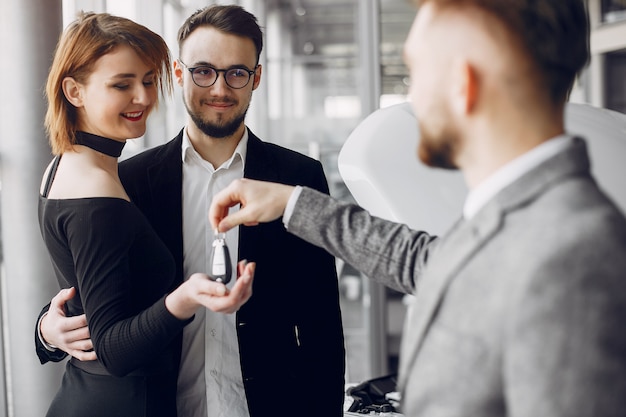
101	144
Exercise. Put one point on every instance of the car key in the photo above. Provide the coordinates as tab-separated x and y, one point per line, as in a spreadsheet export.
220	267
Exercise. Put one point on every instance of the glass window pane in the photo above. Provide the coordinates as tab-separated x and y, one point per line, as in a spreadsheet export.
613	10
615	80
312	74
317	90
396	18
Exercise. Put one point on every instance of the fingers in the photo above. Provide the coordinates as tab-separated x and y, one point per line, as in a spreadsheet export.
221	202
234	219
73	323
69	334
238	295
245	271
242	290
76	340
83	356
210	287
260	202
74	328
58	301
74	344
200	290
241	266
217	289
72	335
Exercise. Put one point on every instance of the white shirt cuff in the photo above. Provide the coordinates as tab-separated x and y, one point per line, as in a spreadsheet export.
291	205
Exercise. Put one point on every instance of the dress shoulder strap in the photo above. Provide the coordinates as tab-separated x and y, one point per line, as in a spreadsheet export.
51	175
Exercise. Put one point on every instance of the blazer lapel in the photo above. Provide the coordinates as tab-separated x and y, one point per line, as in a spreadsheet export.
258	166
165	176
455	249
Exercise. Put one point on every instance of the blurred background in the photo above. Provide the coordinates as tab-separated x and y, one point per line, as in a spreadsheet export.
328	64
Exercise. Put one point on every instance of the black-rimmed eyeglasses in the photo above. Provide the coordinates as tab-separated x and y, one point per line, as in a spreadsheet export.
205	76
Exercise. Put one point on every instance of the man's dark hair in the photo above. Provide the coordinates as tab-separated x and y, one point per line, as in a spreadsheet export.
555	34
231	19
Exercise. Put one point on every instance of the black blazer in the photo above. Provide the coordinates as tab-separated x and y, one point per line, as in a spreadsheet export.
295	287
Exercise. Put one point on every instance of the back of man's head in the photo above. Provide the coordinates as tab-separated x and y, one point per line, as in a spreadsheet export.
553	33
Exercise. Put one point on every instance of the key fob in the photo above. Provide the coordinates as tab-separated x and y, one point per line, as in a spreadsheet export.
220	266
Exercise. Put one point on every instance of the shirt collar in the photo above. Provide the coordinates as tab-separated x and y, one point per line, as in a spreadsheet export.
509	173
188	151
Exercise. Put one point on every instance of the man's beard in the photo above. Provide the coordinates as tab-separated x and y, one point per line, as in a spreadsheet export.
438	151
216	130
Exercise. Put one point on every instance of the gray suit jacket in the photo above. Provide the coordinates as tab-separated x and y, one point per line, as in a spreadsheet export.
520	311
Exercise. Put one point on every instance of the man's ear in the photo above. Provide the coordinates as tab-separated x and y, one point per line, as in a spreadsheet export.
178	70
72	91
465	84
257	76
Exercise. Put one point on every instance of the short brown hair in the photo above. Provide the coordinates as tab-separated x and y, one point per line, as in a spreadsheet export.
89	37
231	19
554	33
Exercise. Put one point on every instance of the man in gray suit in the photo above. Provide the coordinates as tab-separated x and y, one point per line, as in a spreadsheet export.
520	306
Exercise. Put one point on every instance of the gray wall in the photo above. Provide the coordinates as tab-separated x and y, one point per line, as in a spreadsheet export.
28	33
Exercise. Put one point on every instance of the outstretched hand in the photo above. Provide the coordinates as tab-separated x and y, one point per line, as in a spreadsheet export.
231	301
70	334
260	201
200	290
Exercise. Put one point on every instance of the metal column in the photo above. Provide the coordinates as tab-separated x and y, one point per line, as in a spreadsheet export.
369	58
28	33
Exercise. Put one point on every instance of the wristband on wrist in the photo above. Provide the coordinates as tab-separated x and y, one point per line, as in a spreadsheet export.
45	344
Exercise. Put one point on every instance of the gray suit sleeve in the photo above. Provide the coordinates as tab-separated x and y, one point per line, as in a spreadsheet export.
388	252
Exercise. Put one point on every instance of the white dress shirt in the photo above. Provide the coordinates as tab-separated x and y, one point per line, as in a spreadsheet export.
210	370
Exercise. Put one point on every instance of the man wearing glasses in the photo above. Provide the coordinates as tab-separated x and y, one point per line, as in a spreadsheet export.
283	349
205	76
